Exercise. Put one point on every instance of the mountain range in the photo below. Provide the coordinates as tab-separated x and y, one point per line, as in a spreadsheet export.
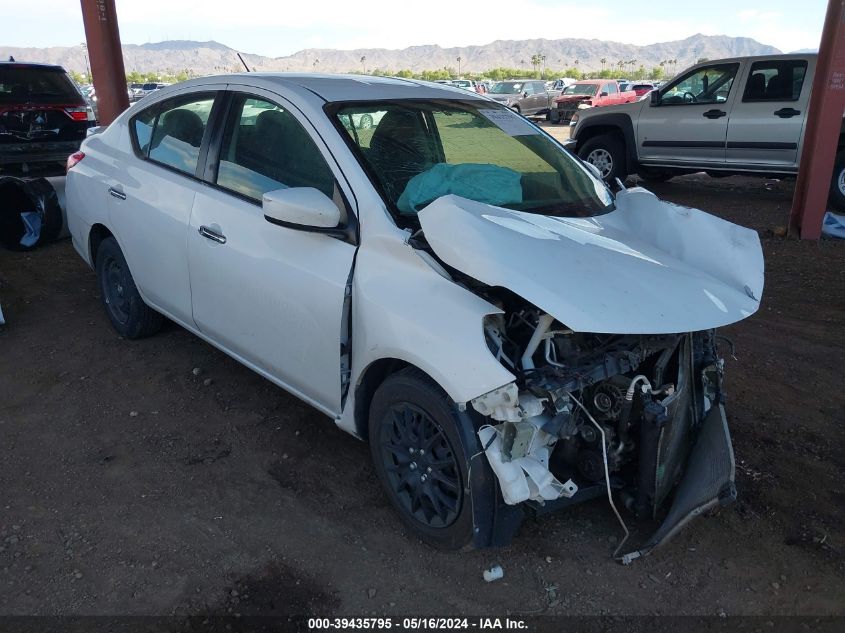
212	57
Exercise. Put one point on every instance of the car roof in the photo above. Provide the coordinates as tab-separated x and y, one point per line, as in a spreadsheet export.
342	87
757	58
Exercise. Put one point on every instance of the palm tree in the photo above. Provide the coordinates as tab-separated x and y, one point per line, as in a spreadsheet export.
603	61
364	64
633	63
459	60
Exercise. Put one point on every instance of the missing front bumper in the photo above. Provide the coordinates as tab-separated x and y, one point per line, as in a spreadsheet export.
708	481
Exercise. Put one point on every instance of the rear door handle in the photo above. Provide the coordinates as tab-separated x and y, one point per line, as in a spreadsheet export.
715	114
212	235
786	113
117	193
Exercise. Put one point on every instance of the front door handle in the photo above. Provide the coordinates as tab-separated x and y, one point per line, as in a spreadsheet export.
117	193
786	113
212	235
715	114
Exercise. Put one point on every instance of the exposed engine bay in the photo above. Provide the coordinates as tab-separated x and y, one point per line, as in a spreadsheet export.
596	414
635	413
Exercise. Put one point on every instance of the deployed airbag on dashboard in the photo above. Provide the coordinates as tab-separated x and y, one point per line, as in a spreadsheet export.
489	184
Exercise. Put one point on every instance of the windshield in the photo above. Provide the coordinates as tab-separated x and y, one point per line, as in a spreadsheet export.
506	88
580	89
23	84
418	151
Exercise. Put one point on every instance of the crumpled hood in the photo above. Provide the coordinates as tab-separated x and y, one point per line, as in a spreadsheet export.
648	267
573	98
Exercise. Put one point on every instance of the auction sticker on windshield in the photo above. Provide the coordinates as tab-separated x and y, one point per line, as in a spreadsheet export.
508	122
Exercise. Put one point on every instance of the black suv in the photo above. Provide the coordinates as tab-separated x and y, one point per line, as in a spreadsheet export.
43	116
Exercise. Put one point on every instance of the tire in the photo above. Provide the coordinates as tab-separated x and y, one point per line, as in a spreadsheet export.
421	459
608	154
366	122
655	175
837	182
516	109
129	315
554	116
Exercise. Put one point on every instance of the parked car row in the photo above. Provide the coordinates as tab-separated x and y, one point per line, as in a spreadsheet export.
588	94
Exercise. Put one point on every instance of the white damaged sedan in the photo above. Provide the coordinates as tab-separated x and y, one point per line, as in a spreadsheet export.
448	284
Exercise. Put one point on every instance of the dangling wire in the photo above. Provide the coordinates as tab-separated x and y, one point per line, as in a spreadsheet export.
606	473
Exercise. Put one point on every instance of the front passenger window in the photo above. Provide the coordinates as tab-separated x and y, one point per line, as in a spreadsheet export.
711	84
265	148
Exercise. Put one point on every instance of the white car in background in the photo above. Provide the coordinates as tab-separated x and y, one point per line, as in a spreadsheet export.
453	287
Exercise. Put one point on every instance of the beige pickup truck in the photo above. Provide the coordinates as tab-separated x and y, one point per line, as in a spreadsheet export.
732	116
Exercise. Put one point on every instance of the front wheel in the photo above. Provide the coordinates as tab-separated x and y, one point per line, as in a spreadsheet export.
837	182
421	458
554	116
607	153
130	316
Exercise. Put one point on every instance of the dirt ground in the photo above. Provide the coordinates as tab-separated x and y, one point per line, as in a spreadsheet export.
131	485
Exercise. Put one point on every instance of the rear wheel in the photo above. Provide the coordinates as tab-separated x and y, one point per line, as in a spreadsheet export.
607	153
516	109
837	182
130	316
554	116
421	459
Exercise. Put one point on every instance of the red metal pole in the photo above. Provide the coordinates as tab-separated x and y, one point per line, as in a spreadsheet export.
103	37
824	123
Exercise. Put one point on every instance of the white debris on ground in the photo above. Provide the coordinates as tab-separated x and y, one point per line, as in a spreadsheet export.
494	573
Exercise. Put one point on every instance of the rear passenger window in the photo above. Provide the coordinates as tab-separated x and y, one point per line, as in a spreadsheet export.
775	80
171	132
265	148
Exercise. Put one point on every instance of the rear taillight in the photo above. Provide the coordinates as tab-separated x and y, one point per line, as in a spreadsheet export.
77	114
73	160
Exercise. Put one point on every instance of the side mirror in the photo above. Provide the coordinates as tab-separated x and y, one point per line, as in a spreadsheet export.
655	96
602	94
303	208
524	94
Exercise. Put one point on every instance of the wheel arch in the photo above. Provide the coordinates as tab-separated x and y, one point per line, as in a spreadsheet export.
614	123
96	235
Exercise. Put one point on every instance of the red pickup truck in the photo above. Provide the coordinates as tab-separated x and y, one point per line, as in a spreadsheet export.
590	93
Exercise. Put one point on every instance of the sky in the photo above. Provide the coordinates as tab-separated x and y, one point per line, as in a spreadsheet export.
282	27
